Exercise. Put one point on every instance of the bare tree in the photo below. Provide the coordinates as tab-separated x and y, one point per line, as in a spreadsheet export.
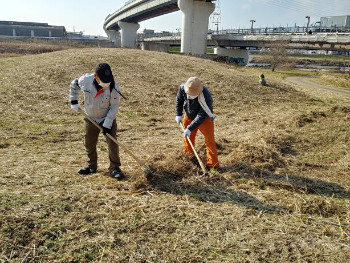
277	55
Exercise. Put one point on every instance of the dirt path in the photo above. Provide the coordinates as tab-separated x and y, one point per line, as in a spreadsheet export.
308	83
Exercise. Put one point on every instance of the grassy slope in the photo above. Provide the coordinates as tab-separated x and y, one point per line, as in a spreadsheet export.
283	193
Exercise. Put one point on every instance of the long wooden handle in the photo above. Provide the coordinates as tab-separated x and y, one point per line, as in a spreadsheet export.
194	150
117	142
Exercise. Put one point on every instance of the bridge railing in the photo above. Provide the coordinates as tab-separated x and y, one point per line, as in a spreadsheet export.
121	8
128	2
280	29
256	31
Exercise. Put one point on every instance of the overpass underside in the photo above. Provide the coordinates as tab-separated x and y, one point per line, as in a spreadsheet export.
121	26
153	12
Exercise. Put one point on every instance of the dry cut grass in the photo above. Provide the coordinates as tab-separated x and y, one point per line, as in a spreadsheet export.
18	47
282	194
340	80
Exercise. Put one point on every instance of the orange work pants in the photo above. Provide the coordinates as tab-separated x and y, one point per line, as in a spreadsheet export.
207	129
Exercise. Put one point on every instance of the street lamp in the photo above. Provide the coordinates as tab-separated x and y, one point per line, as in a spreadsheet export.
308	22
251	28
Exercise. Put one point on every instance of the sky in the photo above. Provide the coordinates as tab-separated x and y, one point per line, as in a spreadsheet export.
88	15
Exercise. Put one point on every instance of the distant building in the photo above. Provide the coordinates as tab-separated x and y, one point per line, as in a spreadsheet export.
335	21
75	34
30	29
148	32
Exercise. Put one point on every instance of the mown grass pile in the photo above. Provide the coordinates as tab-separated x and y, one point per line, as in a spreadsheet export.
281	195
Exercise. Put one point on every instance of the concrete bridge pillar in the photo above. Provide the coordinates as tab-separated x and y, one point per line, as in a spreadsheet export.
195	21
114	36
128	34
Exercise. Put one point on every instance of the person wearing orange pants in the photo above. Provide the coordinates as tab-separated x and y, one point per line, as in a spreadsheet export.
207	129
197	102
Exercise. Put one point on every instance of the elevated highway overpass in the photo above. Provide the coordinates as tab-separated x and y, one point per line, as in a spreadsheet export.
195	21
323	41
194	37
139	10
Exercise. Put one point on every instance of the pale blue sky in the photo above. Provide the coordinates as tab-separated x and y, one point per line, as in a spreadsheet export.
89	15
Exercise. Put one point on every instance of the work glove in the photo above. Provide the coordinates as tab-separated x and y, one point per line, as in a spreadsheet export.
187	133
75	107
178	119
106	131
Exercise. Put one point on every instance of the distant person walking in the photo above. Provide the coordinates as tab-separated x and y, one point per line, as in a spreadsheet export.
101	103
197	102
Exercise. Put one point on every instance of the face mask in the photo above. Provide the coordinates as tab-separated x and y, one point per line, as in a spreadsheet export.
104	85
191	97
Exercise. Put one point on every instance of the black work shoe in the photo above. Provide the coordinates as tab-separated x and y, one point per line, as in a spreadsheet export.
117	173
87	170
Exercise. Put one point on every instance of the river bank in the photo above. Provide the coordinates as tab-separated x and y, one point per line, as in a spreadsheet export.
339	63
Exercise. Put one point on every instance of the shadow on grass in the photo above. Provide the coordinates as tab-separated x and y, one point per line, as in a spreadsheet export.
290	182
210	190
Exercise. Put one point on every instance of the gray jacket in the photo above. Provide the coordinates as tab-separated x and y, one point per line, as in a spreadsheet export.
100	107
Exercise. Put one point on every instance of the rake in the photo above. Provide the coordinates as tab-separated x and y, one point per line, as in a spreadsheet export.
147	170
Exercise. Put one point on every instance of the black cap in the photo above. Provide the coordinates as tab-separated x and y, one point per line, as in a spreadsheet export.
104	72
